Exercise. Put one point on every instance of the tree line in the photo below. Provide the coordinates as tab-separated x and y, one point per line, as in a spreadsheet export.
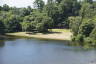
79	16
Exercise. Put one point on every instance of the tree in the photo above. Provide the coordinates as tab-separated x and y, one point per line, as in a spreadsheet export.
89	1
93	34
29	9
75	22
6	7
28	23
48	22
86	27
87	11
69	7
12	23
24	12
41	28
58	1
42	21
15	11
25	26
0	8
39	4
2	27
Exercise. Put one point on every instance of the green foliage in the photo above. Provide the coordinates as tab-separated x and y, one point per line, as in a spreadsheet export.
87	10
26	26
89	1
12	24
93	34
79	38
36	22
69	7
60	12
40	27
6	7
75	22
10	21
0	8
87	40
2	27
28	23
80	17
43	22
86	27
39	4
58	1
52	11
24	12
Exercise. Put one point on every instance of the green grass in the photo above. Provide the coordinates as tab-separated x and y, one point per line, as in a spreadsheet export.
63	34
59	30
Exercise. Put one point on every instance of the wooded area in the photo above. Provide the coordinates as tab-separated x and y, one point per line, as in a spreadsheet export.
79	16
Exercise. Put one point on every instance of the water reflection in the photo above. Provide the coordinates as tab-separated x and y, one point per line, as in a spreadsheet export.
32	51
2	43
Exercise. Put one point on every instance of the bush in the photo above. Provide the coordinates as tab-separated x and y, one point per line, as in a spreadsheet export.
73	38
75	22
93	34
2	28
88	40
86	27
80	39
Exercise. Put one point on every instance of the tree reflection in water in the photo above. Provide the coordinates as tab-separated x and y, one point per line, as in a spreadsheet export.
2	43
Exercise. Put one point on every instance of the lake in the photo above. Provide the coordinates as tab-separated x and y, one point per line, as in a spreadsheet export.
34	51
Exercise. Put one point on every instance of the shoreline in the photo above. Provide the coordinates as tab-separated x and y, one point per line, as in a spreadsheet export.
55	35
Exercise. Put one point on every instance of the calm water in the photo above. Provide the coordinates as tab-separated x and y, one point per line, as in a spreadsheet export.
32	51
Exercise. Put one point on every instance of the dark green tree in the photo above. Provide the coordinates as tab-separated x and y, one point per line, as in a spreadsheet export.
6	7
89	1
2	27
39	4
86	27
74	25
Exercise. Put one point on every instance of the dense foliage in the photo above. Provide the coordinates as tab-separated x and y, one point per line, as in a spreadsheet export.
79	16
84	25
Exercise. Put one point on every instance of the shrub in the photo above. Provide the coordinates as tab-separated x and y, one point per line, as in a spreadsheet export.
80	39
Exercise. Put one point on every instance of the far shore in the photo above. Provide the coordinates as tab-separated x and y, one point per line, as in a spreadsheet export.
56	34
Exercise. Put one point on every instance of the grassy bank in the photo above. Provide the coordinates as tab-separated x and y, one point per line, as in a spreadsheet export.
55	34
